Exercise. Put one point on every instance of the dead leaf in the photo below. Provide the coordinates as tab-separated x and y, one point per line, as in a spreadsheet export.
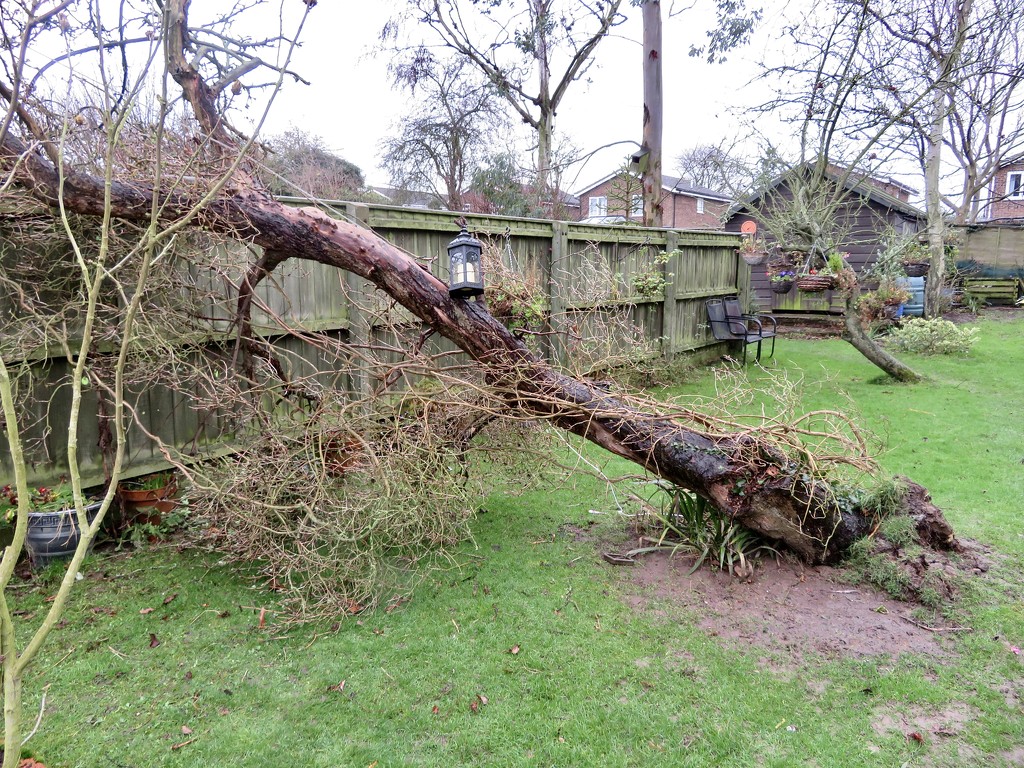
483	699
513	650
223	614
144	611
435	710
915	736
188	675
170	598
153	642
263	618
175	747
337	688
474	707
223	711
186	730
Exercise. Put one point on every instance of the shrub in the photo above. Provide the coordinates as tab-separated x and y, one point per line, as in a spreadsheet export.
933	337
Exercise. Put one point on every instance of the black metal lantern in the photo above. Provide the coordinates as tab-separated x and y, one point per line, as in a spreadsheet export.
466	278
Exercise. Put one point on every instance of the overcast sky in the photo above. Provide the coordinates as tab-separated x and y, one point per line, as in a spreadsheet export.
351	105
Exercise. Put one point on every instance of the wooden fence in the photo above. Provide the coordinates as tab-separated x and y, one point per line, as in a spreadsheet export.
586	270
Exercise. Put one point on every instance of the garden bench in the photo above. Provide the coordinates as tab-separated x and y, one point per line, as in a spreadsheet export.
992	290
730	323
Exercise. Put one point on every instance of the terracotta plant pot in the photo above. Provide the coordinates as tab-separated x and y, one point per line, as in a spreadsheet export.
142	506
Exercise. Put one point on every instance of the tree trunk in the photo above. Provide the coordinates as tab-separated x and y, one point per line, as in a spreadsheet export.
863	343
653	102
546	118
933	206
749	480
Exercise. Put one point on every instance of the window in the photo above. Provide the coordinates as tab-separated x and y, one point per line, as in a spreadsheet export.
1015	184
636	207
700	205
598	206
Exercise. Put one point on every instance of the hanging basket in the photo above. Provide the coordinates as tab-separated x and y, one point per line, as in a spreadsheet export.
916	268
782	286
814	283
753	258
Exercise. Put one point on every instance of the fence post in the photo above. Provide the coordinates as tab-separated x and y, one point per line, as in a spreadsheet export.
670	309
359	331
557	255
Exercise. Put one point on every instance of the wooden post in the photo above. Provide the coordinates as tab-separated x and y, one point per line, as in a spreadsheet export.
669	322
360	332
558	255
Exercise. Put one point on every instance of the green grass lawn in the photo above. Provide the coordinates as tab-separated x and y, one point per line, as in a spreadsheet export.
525	652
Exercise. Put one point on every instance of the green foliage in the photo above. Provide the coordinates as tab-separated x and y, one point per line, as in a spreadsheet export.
652	281
153	482
691	523
933	336
499	182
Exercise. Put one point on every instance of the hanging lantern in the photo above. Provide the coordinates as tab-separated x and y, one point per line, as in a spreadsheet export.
466	278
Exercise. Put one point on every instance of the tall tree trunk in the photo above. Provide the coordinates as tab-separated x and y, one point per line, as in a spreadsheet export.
653	103
546	118
933	205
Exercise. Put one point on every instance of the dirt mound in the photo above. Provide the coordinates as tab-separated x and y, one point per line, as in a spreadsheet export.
787	608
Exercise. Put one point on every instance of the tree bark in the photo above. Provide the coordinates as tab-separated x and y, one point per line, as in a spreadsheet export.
653	102
855	334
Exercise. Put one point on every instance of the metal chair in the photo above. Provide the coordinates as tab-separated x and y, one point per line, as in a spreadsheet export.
730	323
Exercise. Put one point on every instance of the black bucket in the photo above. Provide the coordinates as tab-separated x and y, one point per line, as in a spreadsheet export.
54	535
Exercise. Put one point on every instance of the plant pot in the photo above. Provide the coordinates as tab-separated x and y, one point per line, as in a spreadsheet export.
915	268
142	506
814	283
754	258
782	286
55	535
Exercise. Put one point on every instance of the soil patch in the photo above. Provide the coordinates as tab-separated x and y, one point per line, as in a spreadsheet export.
786	607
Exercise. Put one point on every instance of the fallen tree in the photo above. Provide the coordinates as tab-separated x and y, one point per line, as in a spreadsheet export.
746	476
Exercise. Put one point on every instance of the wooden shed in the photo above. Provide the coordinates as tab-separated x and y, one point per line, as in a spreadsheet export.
870	207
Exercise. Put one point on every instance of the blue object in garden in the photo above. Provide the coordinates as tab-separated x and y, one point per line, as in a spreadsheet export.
915	307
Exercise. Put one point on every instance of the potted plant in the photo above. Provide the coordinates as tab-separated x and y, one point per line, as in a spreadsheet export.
145	499
53	532
782	281
753	250
915	260
883	304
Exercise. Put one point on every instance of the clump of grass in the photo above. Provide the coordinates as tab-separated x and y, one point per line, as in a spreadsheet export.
865	565
898	530
690	523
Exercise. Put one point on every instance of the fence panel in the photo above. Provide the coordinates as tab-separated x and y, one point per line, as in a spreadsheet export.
590	276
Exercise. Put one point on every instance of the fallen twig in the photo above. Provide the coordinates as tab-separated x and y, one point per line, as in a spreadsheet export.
935	629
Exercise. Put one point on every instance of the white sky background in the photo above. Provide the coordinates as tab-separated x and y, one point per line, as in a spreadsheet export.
350	102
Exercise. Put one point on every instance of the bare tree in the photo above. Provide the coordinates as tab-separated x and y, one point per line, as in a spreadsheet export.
531	54
300	163
715	167
446	134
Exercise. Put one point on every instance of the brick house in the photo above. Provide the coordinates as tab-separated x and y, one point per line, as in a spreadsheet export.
1007	191
684	206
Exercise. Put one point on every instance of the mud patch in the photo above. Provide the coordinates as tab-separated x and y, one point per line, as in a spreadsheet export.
944	723
785	607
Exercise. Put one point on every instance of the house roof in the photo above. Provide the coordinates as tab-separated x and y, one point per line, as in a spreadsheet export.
671	184
861	185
